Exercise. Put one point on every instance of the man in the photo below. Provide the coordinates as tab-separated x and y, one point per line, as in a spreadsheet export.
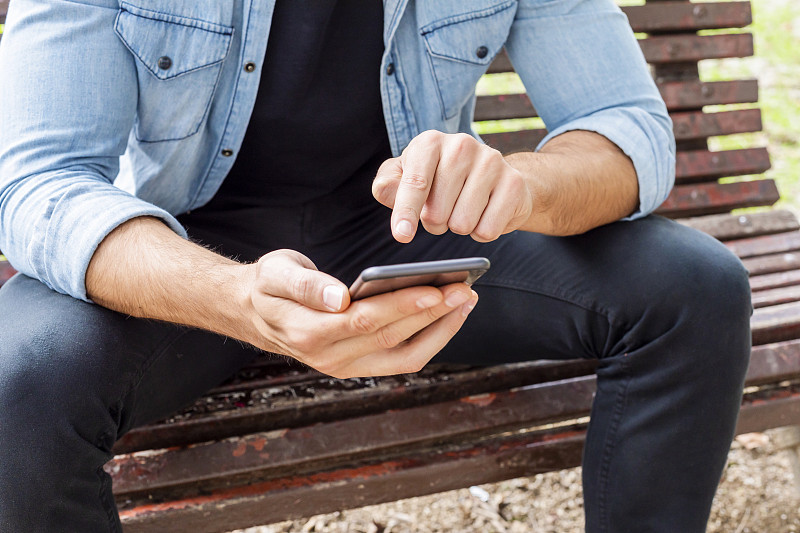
121	115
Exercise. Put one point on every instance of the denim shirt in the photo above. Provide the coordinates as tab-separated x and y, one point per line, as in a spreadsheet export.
114	109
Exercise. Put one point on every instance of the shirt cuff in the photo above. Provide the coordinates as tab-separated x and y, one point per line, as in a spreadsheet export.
97	216
649	144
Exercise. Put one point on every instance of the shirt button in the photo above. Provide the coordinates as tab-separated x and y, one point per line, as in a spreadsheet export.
390	69
164	63
482	52
249	66
227	153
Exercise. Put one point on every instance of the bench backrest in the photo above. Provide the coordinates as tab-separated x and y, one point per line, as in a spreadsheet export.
673	40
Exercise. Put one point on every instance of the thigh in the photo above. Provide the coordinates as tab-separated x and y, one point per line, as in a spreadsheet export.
84	355
596	295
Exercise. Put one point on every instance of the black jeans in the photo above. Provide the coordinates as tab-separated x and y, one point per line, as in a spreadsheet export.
664	308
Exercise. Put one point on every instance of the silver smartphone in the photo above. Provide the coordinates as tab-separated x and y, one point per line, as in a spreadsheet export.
380	279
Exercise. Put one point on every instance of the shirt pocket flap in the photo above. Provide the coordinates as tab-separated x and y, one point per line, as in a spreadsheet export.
168	45
464	37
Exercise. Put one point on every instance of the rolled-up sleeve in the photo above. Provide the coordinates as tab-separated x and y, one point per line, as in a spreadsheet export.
68	96
583	70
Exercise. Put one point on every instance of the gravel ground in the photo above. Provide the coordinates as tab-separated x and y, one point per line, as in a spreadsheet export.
757	495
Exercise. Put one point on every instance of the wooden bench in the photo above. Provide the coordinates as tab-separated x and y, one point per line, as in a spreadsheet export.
279	441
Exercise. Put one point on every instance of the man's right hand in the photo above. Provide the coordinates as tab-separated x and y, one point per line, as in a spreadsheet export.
281	304
307	314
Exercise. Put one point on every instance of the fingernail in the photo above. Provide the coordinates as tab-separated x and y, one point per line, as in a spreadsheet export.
456	298
467	308
429	300
333	295
404	228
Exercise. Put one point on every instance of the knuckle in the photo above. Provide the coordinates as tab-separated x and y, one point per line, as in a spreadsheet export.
305	342
387	337
485	234
430	135
460	225
434	216
301	286
415	180
362	323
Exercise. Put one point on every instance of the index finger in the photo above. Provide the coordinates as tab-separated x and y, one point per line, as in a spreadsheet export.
419	161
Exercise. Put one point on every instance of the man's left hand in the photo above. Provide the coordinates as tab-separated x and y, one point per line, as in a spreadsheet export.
452	181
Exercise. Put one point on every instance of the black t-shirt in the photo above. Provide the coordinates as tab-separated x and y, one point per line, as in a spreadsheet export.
318	120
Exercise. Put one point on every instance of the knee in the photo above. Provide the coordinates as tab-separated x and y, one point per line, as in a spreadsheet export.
52	371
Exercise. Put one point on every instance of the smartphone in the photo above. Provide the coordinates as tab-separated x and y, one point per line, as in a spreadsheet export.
380	279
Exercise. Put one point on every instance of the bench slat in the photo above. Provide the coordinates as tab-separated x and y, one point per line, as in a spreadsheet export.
775	280
702	165
772	244
729	226
332	444
698	125
685	16
710	198
776	296
776	323
678	95
281	407
769	264
687	125
504	457
414	475
267	455
292	453
670	49
684	48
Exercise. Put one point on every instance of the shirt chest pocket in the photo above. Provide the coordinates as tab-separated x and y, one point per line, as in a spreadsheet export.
178	62
460	49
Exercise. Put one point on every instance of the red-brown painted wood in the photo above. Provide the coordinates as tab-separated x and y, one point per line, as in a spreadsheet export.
776	296
769	244
394	478
686	125
768	264
776	323
685	48
709	198
686	16
729	226
698	125
777	279
702	165
6	271
678	95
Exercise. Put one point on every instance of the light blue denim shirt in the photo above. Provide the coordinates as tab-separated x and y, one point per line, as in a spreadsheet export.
114	109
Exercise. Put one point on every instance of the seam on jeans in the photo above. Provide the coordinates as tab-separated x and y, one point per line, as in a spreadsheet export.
111	507
610	443
159	352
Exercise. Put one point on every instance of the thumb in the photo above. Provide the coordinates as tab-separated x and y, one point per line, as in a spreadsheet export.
291	275
386	182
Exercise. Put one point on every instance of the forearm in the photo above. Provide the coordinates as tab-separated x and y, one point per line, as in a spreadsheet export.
144	269
579	180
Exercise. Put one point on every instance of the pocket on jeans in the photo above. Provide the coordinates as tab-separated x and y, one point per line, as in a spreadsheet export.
178	62
460	49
